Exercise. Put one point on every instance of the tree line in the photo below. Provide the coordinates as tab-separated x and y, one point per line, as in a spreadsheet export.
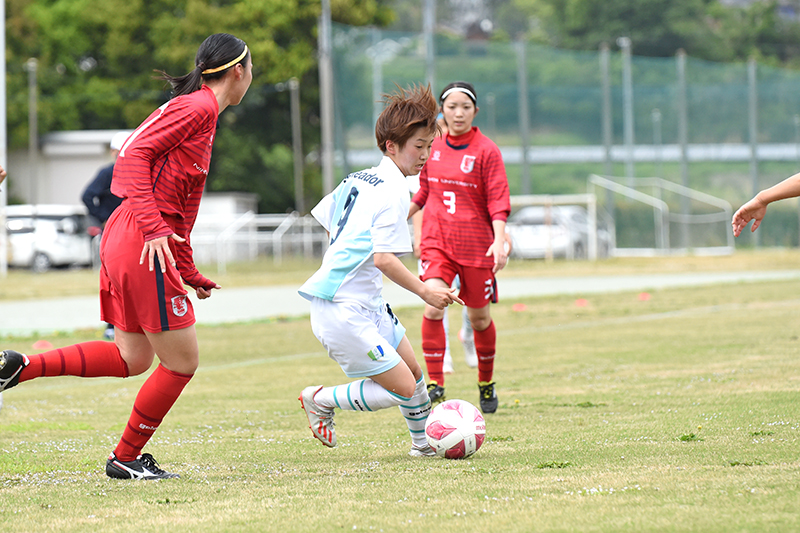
96	60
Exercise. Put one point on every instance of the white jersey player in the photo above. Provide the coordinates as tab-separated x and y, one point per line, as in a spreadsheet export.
366	219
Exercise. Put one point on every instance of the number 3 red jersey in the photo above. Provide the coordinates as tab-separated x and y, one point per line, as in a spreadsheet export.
463	188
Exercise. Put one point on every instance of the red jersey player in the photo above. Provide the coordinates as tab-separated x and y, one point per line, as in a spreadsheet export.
464	190
146	256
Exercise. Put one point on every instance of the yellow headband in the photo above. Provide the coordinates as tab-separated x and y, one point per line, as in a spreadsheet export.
226	65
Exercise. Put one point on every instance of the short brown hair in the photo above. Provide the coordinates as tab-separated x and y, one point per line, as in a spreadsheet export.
405	112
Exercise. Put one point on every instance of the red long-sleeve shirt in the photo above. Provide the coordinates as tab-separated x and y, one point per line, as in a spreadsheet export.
161	171
463	188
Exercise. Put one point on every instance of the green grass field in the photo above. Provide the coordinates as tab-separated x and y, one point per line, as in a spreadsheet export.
675	413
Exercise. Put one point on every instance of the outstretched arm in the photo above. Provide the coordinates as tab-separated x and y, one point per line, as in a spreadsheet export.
395	270
756	208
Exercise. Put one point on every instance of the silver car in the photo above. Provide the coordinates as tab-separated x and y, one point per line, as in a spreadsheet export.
44	236
561	231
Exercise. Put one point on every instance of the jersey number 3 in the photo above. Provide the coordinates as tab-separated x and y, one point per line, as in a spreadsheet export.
449	201
348	206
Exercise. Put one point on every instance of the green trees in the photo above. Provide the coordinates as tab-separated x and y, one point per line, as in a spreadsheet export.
706	29
96	61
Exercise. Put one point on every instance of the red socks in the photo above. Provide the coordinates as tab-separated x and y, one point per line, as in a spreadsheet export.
434	344
485	344
87	359
155	399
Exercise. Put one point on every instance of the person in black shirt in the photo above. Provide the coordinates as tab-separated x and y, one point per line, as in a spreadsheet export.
101	203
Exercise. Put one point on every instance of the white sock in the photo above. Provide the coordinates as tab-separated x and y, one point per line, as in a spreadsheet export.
416	412
361	395
446	324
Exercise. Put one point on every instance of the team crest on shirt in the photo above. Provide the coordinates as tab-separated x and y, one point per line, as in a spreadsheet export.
377	353
467	164
436	155
179	306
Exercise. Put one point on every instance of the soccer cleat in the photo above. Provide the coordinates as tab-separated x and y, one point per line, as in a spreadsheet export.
11	364
143	467
435	392
488	396
425	451
447	365
470	355
320	419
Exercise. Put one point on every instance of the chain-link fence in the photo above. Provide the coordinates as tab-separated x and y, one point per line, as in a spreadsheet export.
725	129
565	93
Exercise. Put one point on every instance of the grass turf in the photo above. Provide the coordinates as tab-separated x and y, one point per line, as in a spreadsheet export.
673	413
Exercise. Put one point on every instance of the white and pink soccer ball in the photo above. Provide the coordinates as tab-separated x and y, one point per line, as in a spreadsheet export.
455	429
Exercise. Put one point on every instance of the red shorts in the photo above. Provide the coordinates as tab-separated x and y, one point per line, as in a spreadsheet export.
131	297
478	285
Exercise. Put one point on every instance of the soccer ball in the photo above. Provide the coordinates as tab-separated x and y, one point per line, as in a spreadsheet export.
455	429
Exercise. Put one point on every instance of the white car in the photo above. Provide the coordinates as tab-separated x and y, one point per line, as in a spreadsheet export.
559	231
47	235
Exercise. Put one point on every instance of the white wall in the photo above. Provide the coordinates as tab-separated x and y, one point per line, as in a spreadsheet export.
65	164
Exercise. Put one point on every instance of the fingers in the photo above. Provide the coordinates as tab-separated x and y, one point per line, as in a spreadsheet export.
453	298
145	248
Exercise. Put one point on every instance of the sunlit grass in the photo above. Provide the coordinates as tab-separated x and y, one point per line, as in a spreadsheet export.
677	413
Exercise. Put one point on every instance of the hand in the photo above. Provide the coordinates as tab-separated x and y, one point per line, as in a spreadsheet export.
202	293
159	247
441	297
3	174
498	250
753	210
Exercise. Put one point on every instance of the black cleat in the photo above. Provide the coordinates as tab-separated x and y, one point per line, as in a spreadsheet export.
143	467
11	364
435	392
488	396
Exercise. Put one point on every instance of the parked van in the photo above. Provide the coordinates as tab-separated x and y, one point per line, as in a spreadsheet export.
47	235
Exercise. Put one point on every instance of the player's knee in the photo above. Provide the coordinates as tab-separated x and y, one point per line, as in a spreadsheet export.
406	390
431	313
138	365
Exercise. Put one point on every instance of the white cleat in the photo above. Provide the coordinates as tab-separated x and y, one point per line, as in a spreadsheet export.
470	355
425	451
320	419
447	365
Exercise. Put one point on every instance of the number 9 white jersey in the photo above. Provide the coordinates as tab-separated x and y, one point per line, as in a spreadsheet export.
366	213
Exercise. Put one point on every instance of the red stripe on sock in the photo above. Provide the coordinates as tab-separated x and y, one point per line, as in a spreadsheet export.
87	359
83	359
156	397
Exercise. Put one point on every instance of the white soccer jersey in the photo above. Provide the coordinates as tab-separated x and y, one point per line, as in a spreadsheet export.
365	214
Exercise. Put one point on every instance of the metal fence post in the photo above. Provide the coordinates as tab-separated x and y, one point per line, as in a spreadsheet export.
753	129
524	125
608	134
683	139
627	105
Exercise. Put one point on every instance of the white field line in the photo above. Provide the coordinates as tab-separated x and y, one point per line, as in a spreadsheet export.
680	313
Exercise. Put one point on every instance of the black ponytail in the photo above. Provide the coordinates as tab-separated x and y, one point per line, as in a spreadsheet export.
216	51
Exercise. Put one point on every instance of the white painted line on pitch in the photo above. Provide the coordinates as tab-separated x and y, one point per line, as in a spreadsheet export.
680	313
